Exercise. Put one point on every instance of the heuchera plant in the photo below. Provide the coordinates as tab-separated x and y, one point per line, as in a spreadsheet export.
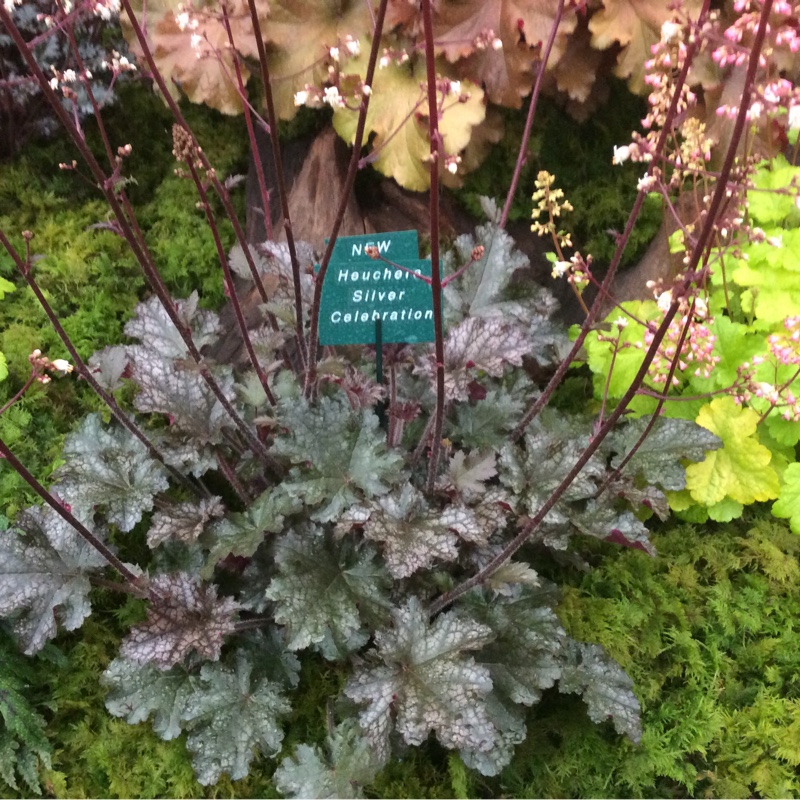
385	520
732	362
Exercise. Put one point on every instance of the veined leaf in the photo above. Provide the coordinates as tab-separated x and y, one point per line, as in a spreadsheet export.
108	467
741	470
397	115
44	575
423	681
138	691
787	506
658	459
324	592
230	717
339	452
605	686
348	764
184	522
184	616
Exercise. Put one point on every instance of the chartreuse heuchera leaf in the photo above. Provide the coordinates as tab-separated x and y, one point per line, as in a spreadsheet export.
787	506
741	470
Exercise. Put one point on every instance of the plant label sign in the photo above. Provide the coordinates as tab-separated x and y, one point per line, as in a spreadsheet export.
361	293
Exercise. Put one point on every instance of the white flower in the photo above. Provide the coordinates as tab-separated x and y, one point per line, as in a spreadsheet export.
671	32
700	308
366	89
61	364
182	20
9	5
334	53
196	41
497	44
333	98
794	118
664	301
455	88
353	46
384	62
646	183
560	268
621	322
621	154
301	98
451	165
69	75
54	84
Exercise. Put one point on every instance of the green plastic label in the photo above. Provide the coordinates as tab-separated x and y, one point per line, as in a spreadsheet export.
361	292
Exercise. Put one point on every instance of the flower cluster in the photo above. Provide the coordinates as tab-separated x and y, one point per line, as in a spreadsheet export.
42	365
549	201
697	348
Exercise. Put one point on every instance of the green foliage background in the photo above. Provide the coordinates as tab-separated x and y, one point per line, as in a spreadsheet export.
707	631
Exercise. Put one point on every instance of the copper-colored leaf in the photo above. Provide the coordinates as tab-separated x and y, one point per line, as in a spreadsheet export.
506	72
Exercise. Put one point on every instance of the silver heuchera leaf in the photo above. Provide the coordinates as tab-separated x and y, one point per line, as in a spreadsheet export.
184	616
230	717
658	460
152	326
424	682
108	467
413	536
184	522
137	691
509	723
176	388
341	772
341	455
466	474
484	344
621	527
524	658
605	686
551	449
484	282
44	575
108	366
325	591
242	533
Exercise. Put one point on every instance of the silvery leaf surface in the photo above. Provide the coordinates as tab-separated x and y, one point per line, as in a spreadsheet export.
422	681
106	466
44	575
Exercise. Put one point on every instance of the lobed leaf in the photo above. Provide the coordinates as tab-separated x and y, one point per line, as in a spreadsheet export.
423	682
325	592
606	688
339	451
348	764
184	615
230	716
108	467
44	575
